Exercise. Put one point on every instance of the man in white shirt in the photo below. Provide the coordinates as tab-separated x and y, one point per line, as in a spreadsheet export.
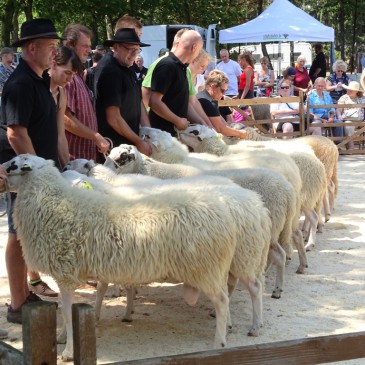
232	70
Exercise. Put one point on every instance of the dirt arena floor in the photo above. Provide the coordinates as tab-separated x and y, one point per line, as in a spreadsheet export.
328	299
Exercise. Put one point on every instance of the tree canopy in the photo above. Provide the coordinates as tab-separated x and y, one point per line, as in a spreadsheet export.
347	17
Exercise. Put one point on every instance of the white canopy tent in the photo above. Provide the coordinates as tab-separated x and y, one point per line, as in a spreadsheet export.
280	22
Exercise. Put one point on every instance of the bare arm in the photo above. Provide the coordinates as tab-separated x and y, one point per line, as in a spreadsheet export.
63	153
220	126
362	79
20	140
145	121
117	122
3	177
161	109
74	126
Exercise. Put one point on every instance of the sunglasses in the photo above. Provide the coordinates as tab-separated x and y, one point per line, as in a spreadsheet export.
284	87
223	91
339	71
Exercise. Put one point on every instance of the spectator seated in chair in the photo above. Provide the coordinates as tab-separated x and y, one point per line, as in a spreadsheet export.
353	96
325	114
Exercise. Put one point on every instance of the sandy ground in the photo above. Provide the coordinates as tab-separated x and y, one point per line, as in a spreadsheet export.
328	299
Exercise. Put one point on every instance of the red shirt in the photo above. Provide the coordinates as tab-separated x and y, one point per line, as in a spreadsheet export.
242	83
301	79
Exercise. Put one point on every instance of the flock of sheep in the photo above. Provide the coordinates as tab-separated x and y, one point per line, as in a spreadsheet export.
208	219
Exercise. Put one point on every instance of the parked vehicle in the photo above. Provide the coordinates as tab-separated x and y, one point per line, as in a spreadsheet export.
162	36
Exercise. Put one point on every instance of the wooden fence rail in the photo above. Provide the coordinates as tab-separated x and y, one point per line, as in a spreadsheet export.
304	120
40	348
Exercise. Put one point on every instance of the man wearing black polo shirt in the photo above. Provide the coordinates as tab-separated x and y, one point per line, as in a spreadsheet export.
169	88
29	125
119	107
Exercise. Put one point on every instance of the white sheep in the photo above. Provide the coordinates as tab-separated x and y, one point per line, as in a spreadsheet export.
164	147
313	174
203	139
284	211
87	234
135	241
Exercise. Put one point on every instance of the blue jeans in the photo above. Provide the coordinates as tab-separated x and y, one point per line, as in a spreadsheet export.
11	228
337	131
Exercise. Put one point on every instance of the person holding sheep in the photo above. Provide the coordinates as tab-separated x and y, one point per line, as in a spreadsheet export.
119	106
216	86
29	118
169	98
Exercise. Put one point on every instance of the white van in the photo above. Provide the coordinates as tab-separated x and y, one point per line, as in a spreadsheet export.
162	36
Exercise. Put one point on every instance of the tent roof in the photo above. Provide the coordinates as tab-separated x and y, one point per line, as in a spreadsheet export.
281	21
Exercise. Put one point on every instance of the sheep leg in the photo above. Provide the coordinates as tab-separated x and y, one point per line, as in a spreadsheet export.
131	293
277	257
100	294
116	291
221	305
306	228
299	244
67	298
331	195
326	206
254	287
312	217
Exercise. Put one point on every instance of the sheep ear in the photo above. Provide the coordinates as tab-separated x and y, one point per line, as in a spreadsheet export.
26	167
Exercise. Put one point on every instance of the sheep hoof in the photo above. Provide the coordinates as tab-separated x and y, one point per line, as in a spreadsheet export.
276	294
230	329
253	332
127	320
300	270
65	357
309	247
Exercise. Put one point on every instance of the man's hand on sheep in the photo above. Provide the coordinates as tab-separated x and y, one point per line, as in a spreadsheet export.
144	147
3	177
101	143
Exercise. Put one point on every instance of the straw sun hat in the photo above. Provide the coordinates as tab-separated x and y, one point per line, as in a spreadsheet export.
354	86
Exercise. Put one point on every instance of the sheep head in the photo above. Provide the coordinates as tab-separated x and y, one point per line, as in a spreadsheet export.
80	165
165	148
124	159
201	138
22	165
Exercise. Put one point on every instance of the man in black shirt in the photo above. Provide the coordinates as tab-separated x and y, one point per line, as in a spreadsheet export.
318	68
119	105
169	87
29	125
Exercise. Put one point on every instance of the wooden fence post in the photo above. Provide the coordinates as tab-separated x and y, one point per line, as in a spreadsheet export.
83	324
39	333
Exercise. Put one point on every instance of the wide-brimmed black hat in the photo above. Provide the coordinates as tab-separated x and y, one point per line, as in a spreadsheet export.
36	29
125	35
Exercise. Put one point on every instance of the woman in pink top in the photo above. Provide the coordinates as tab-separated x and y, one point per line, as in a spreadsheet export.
302	79
245	86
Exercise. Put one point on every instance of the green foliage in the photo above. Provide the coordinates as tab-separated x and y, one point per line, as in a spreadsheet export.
347	17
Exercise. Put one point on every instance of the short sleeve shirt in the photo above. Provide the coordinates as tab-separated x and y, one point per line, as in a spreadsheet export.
117	86
169	78
27	102
209	105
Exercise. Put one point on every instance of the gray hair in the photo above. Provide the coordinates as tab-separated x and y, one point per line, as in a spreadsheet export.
301	58
339	64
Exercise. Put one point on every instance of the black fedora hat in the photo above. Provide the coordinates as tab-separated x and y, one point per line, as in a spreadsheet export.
36	29
125	35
